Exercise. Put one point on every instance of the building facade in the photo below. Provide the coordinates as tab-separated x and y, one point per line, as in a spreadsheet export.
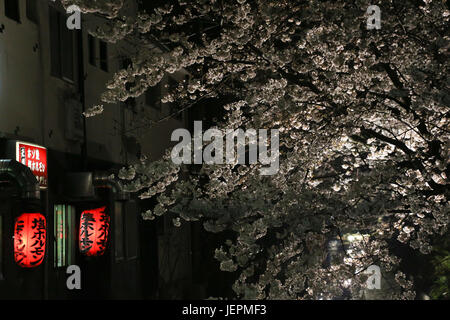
50	75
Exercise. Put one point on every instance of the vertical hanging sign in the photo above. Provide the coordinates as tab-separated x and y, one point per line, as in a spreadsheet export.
29	240
35	158
94	229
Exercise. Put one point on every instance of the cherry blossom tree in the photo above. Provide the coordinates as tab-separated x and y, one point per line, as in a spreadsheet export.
363	121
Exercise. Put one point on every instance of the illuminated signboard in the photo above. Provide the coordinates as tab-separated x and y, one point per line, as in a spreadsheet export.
35	158
94	230
30	234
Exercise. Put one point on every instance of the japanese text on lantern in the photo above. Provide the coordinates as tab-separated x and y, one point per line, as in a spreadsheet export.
35	158
94	229
29	240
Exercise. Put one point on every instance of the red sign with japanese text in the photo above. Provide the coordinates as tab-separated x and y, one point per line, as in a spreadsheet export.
94	230
35	158
29	240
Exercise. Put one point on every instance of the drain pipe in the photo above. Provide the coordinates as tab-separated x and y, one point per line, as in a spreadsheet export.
105	180
23	176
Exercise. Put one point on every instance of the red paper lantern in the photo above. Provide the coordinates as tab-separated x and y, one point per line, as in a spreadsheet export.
29	240
94	230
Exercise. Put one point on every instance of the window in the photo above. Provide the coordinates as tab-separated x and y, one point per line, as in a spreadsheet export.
153	96
130	103
172	86
161	226
150	6
103	56
131	228
55	42
126	62
92	50
12	9
98	54
32	11
125	231
1	247
61	46
67	39
119	250
65	235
